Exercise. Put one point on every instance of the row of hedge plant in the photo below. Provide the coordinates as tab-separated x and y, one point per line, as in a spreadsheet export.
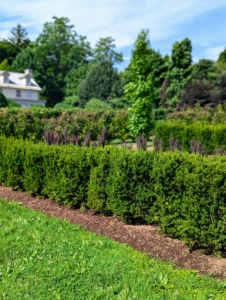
212	137
183	193
191	115
33	123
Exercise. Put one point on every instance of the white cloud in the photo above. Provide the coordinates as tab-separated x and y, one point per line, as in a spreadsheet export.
195	59
126	57
213	52
121	19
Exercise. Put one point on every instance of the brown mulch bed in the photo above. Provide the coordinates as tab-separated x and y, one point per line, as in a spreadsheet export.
144	238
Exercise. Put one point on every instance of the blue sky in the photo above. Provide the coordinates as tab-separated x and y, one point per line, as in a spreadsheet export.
168	21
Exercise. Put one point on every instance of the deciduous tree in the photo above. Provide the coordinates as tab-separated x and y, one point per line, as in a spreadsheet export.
140	88
58	50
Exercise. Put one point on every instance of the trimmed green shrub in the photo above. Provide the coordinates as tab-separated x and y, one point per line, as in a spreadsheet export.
96	194
12	163
129	184
212	137
32	123
183	193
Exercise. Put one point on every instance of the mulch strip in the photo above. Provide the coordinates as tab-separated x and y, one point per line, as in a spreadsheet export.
144	238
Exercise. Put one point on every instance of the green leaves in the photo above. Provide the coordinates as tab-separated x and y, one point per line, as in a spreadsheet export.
179	70
104	51
58	50
211	136
3	100
183	193
140	90
102	82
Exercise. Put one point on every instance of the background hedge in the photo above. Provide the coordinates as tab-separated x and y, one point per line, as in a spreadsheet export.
183	193
211	136
32	123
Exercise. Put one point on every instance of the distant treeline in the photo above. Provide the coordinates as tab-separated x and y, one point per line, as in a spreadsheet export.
69	70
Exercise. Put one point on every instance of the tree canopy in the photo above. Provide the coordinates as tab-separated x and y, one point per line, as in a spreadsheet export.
104	51
179	70
19	37
70	70
102	82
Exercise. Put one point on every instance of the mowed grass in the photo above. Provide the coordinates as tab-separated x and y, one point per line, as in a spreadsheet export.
45	258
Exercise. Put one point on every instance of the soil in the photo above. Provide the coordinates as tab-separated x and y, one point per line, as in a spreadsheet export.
144	238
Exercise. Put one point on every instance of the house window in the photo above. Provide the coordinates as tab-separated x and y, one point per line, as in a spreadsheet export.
29	95
6	78
18	93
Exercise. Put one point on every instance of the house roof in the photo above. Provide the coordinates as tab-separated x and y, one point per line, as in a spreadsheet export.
15	81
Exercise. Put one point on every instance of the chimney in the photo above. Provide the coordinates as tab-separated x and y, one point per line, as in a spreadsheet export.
29	71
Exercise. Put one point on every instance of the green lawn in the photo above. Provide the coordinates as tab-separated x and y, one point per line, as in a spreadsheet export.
45	258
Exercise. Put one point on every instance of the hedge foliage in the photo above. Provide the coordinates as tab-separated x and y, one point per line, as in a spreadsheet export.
183	193
25	123
191	115
212	137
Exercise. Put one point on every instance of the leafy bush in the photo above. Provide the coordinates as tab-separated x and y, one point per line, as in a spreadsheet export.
12	103
212	137
183	193
3	101
32	123
198	114
71	100
37	106
119	103
97	104
62	105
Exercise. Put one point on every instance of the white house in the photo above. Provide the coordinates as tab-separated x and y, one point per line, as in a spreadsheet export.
20	87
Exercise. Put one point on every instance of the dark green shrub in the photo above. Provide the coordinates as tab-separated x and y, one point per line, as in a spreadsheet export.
12	103
62	105
3	101
211	136
183	193
67	172
129	184
13	157
34	173
97	196
32	123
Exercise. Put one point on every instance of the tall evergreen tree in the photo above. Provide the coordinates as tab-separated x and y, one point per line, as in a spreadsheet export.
24	60
179	70
102	82
19	37
206	69
104	51
7	51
